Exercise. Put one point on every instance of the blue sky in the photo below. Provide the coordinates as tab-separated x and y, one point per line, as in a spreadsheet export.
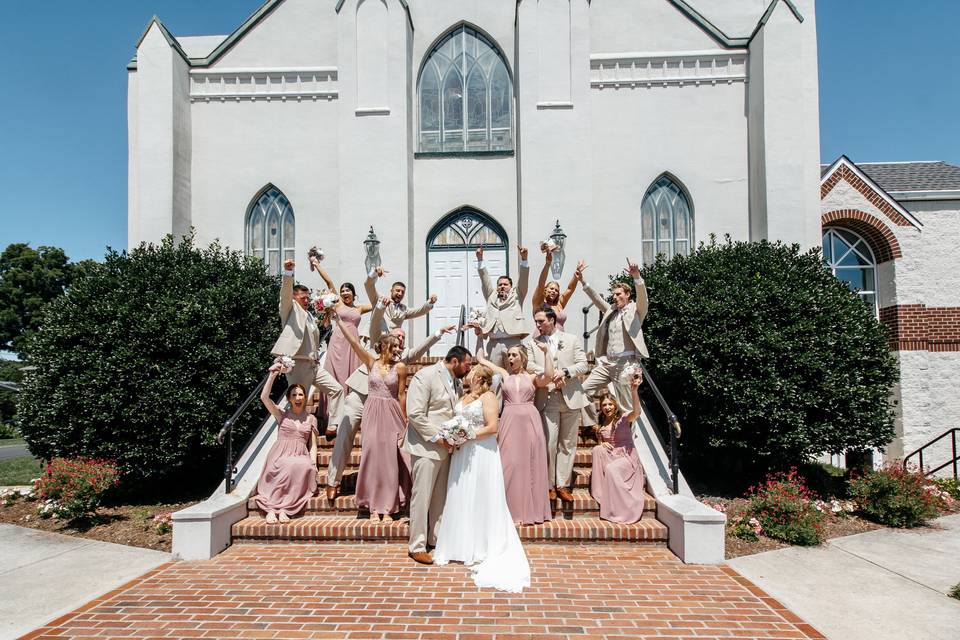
889	90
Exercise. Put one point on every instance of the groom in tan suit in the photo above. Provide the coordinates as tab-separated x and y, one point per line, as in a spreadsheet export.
505	325
300	340
619	337
559	402
431	399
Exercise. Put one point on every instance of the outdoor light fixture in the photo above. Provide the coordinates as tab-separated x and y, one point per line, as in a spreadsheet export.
372	245
558	237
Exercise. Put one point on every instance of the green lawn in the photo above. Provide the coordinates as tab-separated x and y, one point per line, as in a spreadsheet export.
19	470
6	441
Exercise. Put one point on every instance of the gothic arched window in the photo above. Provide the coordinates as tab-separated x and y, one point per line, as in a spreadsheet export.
849	258
464	81
270	229
666	220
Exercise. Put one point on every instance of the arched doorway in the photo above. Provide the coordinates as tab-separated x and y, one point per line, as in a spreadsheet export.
452	265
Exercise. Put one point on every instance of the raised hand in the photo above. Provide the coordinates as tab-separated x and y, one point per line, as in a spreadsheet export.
275	369
480	253
450	328
380	271
523	252
432	299
636	380
288	264
543	346
634	269
385	301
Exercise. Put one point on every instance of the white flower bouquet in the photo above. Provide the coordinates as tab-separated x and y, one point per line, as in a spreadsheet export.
626	375
457	430
548	245
286	363
315	252
477	317
324	302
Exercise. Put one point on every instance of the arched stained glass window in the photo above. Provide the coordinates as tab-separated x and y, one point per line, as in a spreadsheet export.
270	229
666	219
467	229
849	258
465	81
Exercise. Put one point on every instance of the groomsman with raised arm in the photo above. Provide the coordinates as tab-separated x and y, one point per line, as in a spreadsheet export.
357	388
504	325
396	312
619	337
559	402
300	338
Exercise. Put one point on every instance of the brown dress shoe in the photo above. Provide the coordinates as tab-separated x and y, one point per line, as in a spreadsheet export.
564	494
332	491
423	557
552	495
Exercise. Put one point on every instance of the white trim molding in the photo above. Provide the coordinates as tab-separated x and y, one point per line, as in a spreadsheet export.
664	69
218	84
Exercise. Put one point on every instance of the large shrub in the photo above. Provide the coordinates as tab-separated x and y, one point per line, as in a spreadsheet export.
787	510
766	357
145	356
73	488
895	496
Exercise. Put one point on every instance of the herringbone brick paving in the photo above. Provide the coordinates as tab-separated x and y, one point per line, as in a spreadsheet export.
293	591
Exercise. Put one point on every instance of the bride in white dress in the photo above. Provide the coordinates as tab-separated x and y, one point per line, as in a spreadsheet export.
476	528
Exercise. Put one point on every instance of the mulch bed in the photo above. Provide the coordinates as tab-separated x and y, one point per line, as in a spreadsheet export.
124	524
834	527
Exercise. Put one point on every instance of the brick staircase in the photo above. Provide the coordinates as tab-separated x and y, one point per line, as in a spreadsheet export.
322	521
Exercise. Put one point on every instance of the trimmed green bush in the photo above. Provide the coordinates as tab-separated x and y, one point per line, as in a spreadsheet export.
145	356
894	496
766	357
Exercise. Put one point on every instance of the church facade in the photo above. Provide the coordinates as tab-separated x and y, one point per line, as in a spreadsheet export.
640	126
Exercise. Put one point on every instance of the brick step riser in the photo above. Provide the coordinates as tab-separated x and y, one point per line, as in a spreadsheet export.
581	477
324	444
583	459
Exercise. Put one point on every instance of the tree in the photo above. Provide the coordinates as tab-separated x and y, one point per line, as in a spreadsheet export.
766	357
146	356
29	278
9	372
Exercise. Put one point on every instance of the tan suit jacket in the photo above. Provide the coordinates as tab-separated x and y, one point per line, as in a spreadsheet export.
395	314
430	403
297	325
358	380
632	317
570	356
512	319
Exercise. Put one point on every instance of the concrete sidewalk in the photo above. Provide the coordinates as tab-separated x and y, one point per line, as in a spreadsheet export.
889	583
44	575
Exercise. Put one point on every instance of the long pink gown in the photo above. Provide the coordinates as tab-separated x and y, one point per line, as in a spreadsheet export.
289	477
383	482
342	360
617	480
523	452
561	319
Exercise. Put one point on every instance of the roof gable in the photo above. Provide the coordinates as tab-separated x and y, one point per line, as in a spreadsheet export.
844	169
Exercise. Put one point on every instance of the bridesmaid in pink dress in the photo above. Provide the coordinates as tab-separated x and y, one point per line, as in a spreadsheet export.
523	446
617	481
341	361
289	477
547	294
384	481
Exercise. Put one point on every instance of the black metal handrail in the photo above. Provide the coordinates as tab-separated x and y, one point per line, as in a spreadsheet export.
461	339
226	433
919	453
672	421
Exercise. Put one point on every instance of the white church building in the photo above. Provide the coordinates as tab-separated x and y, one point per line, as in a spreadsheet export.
642	126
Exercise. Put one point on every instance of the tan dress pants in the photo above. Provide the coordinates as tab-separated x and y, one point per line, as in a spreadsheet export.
346	431
561	426
427	497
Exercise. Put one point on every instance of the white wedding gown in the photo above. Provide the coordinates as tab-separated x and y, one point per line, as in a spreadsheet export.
476	527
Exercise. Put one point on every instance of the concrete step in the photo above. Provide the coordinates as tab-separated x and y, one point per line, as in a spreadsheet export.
317	528
583	503
583	458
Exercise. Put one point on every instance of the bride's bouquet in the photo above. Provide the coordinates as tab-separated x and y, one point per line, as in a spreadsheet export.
286	363
324	302
457	430
548	245
629	371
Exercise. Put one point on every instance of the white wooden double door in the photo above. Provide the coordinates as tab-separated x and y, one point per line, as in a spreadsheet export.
454	278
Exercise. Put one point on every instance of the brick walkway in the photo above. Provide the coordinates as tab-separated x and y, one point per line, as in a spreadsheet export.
373	591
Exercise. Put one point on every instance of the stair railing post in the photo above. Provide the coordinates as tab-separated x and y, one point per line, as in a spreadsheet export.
228	467
954	438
